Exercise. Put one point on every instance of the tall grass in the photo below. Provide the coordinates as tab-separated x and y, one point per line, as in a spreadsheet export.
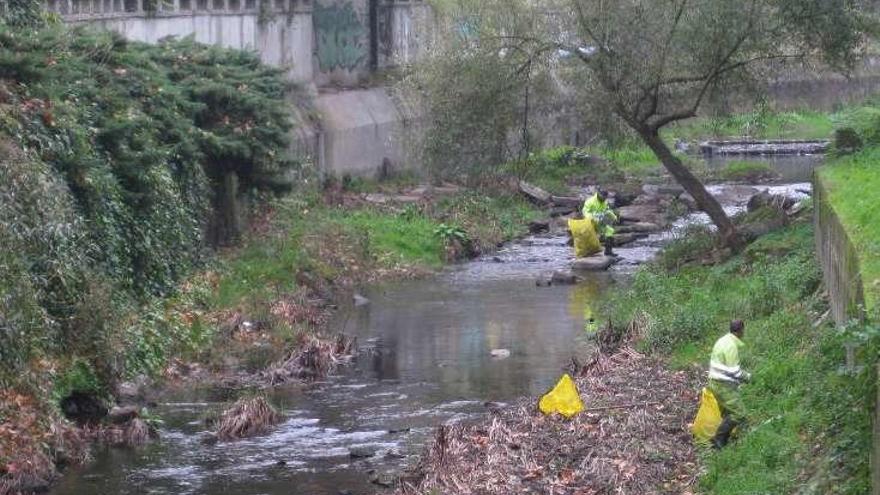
810	425
853	185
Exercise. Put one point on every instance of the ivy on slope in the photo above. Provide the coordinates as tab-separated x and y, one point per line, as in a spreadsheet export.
114	156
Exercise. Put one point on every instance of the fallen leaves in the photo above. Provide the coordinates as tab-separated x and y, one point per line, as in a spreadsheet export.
643	448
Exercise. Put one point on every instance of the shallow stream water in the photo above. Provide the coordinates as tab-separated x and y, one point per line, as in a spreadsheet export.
428	362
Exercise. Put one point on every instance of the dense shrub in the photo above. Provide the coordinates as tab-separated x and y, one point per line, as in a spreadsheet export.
116	161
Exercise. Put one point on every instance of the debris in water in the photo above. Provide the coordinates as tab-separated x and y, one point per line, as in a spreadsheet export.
632	437
248	417
312	359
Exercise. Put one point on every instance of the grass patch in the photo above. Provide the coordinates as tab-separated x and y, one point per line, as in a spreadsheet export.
487	218
631	157
810	424
305	235
853	185
762	123
746	171
408	237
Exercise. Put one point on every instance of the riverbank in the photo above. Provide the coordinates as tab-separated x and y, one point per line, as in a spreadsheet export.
307	254
810	421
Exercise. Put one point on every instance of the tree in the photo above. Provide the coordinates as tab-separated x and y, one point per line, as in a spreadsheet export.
655	62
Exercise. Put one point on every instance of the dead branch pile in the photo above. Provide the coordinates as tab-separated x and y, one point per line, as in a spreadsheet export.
633	438
312	359
246	418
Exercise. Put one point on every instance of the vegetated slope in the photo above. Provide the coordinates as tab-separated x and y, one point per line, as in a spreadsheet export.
810	422
115	167
853	185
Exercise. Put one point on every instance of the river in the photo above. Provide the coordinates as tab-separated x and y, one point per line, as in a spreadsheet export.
427	361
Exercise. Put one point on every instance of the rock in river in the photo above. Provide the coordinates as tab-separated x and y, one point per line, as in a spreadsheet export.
563	278
362	451
595	263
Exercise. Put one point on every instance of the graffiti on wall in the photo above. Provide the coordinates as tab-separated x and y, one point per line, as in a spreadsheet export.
342	38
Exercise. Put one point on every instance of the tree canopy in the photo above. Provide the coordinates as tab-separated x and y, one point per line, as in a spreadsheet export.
650	63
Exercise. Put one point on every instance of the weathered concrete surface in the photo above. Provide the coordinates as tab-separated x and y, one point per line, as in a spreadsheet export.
843	280
322	42
839	259
282	39
360	132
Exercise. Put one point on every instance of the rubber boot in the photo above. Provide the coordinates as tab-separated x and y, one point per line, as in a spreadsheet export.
722	436
609	243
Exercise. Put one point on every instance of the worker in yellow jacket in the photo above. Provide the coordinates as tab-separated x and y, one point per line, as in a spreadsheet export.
725	377
598	209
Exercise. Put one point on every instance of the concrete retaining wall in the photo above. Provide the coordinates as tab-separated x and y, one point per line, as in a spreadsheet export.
361	132
839	259
840	267
326	44
322	42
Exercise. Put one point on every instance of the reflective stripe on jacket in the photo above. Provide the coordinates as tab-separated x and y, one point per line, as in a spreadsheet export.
724	365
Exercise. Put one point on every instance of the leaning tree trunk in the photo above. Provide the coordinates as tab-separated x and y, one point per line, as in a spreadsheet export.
694	187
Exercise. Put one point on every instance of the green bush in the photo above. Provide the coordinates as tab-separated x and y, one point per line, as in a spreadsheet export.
114	156
864	121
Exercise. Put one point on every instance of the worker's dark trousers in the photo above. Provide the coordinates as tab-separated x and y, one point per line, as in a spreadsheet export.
609	243
722	436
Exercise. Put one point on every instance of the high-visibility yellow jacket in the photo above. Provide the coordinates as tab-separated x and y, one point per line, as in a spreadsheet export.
724	365
601	213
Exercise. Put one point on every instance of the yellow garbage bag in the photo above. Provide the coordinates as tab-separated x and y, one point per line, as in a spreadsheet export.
708	418
586	241
564	399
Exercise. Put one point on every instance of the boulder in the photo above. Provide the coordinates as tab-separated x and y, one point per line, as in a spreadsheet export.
764	198
623	239
560	211
688	201
384	479
534	193
596	263
637	227
662	190
123	414
650	213
538	226
133	392
735	194
563	278
362	451
569	201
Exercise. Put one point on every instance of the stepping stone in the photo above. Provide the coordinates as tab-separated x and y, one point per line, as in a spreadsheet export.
596	263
